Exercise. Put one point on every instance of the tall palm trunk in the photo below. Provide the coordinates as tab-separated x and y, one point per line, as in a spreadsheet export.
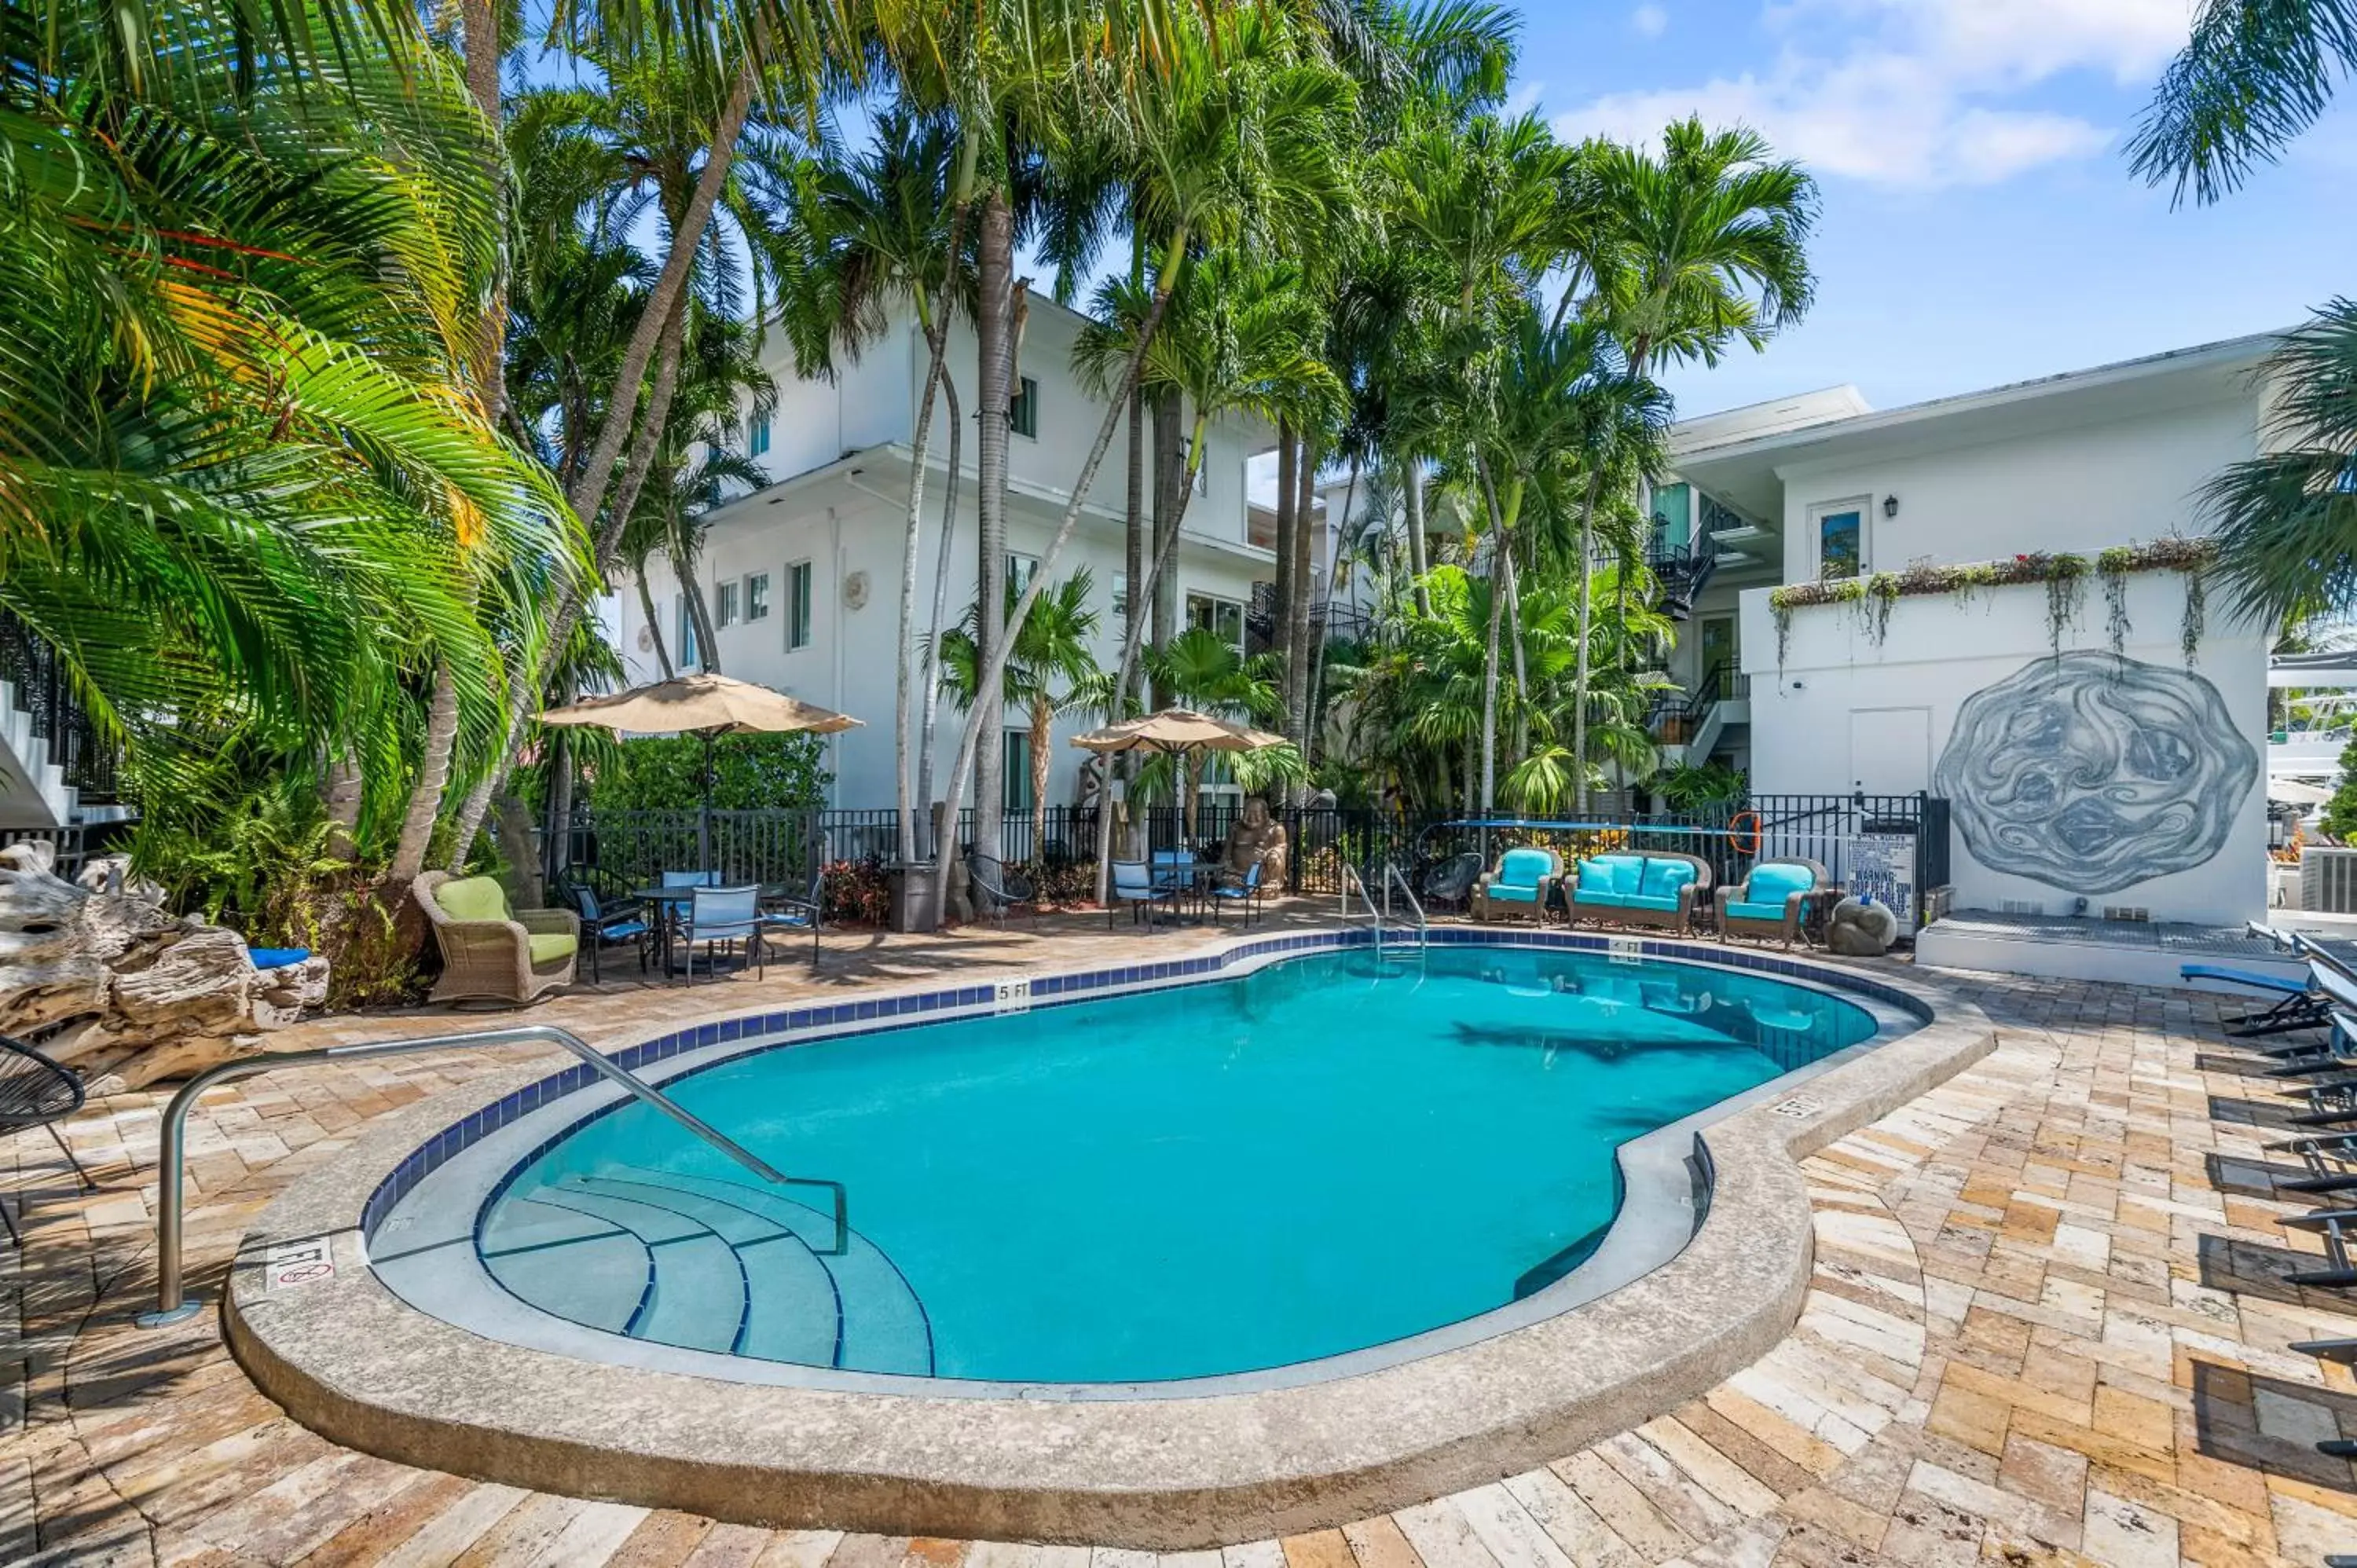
654	622
1043	719
1133	559
670	350
1299	622
1170	493
1579	668
1280	627
340	795
944	561
699	615
556	826
433	776
994	335
937	345
1133	636
587	494
994	669
1411	484
1489	661
479	21
1333	573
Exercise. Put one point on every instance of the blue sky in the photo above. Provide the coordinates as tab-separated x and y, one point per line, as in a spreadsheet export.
1979	222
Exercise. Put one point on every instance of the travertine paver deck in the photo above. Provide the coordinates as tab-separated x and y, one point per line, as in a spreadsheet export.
2047	1328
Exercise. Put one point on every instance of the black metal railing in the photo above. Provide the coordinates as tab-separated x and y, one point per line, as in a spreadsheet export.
1676	713
31	666
1841	832
1682	566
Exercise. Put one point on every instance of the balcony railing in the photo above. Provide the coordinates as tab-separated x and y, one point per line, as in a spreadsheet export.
43	689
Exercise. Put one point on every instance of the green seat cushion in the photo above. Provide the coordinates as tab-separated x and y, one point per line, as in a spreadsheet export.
549	946
1508	893
1774	884
473	898
1522	868
1664	878
1756	911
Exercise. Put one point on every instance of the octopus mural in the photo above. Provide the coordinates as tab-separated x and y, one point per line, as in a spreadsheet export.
2092	772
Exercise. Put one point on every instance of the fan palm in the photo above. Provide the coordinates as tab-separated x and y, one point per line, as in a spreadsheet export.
2286	521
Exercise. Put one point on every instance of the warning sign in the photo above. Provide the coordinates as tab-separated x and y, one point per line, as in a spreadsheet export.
293	1263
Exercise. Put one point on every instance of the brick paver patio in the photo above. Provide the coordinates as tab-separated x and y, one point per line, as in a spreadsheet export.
2048	1326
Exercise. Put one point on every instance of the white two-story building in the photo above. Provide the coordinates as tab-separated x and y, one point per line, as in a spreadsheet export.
803	575
2099	738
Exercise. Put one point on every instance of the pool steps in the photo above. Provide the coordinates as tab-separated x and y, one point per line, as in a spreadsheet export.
708	1264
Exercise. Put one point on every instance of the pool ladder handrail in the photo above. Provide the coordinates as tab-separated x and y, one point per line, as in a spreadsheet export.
1355	880
1394	876
172	1304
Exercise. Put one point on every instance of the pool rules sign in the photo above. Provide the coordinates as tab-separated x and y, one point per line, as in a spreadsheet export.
1882	866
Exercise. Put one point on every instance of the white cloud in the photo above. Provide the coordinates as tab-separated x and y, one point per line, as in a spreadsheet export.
1649	20
1916	92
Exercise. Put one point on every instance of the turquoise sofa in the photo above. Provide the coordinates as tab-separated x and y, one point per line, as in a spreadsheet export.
1767	904
1519	886
1639	887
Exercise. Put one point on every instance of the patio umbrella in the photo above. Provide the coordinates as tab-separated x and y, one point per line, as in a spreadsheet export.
706	705
1176	731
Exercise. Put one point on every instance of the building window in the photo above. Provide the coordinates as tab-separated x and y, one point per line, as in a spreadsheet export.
798	604
724	609
756	434
689	656
756	595
1020	570
1023	410
1120	596
1223	617
1015	796
1841	540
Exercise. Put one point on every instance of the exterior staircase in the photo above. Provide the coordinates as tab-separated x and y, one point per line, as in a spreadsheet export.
55	771
1702	717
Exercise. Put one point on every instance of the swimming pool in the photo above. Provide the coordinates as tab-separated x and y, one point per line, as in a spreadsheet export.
1330	1154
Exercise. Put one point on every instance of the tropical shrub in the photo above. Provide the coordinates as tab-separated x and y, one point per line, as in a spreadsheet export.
855	892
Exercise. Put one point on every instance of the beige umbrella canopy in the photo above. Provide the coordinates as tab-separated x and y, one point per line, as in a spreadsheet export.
706	705
1176	730
709	704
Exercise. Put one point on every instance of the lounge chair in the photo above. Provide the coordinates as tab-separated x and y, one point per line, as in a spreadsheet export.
1520	886
718	918
37	1092
491	952
1133	884
996	889
1653	887
2295	1006
1450	881
1767	903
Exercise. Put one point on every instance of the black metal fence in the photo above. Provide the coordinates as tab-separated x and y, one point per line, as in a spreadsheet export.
1841	832
31	666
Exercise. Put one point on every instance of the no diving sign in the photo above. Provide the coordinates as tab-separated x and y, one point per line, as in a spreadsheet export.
293	1263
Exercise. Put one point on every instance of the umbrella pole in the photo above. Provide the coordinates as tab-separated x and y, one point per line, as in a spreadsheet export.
704	817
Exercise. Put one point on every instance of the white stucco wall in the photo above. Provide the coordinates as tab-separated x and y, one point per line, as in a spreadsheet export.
1841	710
2079	487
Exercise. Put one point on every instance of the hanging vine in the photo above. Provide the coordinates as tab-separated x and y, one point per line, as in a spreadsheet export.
2115	564
2066	590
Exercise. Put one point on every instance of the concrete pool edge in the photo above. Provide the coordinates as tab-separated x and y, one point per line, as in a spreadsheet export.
350	1359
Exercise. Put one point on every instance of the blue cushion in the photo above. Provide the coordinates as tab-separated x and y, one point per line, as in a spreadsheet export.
1757	911
1585	895
276	957
1664	878
1522	868
623	930
1774	884
1595	875
1508	894
1667	905
1627	873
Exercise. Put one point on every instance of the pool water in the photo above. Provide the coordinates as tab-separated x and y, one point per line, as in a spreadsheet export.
1327	1153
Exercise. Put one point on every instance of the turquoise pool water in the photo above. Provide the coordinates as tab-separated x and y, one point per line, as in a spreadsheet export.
1323	1155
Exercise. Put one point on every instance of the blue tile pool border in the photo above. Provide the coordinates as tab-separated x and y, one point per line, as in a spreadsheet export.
785	1028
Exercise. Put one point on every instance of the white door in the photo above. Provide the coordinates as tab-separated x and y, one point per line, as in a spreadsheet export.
1889	750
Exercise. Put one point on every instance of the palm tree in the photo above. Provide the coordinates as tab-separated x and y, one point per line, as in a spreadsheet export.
2253	75
1053	669
1229	124
2286	521
1202	671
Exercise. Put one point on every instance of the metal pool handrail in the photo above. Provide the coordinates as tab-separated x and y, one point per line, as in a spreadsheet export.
1393	876
1360	883
172	1305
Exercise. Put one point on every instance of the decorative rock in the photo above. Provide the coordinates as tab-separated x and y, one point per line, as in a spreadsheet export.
134	992
1861	928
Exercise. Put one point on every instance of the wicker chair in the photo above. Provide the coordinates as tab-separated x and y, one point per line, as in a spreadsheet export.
1769	907
491	952
37	1092
1522	883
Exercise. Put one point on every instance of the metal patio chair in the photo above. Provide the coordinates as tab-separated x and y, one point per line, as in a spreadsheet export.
997	890
37	1092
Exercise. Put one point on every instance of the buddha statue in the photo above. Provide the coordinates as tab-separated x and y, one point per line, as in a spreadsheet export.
1257	838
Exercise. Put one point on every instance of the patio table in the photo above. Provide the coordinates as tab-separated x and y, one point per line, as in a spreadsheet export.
670	905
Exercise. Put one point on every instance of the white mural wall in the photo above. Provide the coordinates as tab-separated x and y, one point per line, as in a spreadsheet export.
2129	782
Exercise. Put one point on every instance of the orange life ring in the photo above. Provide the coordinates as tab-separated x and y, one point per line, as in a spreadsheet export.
1735	832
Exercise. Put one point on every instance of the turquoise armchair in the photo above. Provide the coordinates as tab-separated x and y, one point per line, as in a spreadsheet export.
1520	886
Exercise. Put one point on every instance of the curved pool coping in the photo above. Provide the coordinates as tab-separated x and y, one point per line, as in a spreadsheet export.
1156	1470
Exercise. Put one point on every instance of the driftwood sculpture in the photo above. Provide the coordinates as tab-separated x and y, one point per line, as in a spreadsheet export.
123	990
